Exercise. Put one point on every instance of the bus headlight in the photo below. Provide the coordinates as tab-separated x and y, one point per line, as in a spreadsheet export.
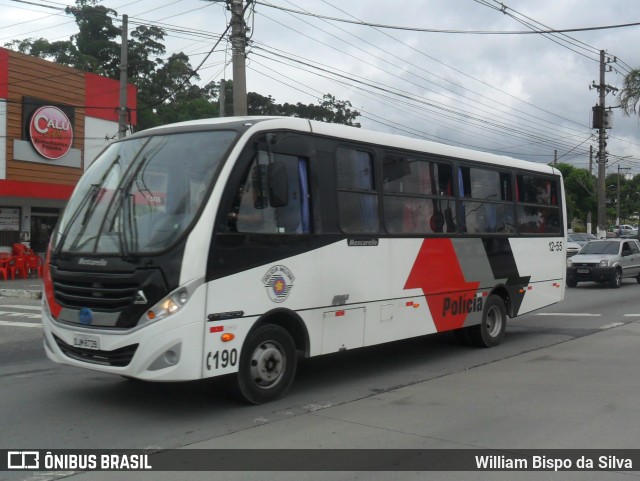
569	263
171	303
167	306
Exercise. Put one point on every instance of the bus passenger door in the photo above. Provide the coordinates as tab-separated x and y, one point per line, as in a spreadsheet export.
262	258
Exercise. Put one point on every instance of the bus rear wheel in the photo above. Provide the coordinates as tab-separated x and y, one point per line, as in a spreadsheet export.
267	365
490	331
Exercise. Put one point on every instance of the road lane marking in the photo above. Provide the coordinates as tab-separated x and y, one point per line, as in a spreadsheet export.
632	315
19	324
27	308
574	314
28	315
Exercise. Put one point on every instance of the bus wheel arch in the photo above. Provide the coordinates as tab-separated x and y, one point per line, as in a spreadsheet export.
291	322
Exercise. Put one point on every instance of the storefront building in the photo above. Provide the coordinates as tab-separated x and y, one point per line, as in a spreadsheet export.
54	121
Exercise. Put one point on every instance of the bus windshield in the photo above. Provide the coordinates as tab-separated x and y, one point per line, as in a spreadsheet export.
141	194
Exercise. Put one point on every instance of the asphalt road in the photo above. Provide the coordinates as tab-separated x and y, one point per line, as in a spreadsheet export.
564	377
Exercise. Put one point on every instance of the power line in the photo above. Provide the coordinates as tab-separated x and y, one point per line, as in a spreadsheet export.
385	88
342	52
443	111
448	31
456	70
403	66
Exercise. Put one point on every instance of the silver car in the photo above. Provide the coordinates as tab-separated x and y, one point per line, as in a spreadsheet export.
607	260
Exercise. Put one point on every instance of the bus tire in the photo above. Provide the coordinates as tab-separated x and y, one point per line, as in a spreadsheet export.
490	331
267	365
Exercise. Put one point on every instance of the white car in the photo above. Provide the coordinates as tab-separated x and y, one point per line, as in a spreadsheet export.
607	260
626	228
572	248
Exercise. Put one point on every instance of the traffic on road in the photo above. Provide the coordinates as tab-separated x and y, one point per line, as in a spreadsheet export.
561	378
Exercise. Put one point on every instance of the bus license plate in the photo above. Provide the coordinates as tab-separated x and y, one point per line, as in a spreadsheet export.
582	271
85	341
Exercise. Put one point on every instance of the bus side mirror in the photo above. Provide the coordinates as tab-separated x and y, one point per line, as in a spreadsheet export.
278	184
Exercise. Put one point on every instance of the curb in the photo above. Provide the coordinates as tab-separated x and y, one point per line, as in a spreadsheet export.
21	293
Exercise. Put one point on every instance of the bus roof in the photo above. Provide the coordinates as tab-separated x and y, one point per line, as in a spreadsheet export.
259	123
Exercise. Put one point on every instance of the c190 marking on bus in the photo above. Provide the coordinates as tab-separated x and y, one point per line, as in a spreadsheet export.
555	246
222	359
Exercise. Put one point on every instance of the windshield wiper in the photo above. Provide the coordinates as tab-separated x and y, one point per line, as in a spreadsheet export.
126	221
92	193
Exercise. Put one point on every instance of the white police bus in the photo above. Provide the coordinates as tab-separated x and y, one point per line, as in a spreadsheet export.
227	246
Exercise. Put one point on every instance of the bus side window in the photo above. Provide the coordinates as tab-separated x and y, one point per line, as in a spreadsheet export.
357	197
542	216
486	201
251	211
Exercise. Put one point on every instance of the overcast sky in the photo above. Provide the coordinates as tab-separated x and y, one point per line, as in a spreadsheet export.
523	95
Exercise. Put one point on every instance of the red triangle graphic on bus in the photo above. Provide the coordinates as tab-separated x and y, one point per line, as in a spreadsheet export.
437	272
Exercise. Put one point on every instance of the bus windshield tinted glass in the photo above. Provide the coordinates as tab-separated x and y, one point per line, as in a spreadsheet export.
140	195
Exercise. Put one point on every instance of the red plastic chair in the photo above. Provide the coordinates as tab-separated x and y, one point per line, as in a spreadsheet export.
18	249
4	265
34	263
18	265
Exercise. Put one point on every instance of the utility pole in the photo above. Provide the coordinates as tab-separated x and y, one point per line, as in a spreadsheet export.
122	111
602	121
238	43
602	156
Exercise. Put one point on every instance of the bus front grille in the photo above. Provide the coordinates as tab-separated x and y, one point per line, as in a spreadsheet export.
117	358
109	295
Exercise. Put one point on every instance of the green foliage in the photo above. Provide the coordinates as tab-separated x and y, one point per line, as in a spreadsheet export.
167	91
630	93
582	198
580	191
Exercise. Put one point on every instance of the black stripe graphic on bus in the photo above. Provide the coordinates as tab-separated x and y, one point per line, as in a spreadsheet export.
235	253
503	266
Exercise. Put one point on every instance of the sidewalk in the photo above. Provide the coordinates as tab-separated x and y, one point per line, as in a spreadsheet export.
23	288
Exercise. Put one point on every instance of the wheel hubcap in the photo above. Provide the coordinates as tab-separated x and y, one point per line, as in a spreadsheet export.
493	321
267	364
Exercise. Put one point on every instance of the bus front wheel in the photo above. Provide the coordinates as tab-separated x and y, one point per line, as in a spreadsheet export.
490	331
267	364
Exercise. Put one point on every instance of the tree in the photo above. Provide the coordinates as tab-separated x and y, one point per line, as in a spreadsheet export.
630	93
63	52
167	91
96	42
580	192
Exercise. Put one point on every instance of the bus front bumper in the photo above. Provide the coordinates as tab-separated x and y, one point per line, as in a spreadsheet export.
168	350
